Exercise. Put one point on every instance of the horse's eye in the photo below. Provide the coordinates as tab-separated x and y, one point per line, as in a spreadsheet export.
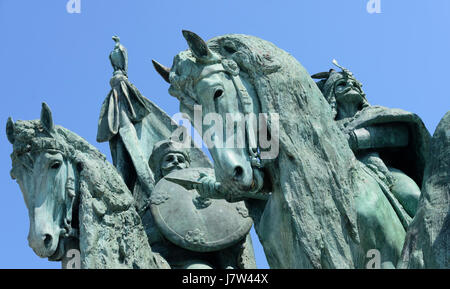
218	93
55	165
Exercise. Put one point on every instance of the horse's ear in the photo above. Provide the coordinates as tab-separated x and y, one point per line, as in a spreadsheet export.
197	45
46	117
10	130
162	70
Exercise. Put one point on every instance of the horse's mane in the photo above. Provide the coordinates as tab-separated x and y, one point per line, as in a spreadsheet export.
30	135
315	168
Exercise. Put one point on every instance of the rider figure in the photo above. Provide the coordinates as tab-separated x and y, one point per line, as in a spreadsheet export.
370	141
166	158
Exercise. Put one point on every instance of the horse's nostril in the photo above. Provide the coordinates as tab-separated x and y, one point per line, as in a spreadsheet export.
238	172
47	240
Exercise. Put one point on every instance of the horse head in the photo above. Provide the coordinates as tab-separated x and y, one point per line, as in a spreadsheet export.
204	79
46	175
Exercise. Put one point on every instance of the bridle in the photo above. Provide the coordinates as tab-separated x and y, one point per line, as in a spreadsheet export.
245	101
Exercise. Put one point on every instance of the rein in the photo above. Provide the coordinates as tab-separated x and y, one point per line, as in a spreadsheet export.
71	189
247	105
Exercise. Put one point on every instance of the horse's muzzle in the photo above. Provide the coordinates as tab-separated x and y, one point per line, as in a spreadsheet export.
43	244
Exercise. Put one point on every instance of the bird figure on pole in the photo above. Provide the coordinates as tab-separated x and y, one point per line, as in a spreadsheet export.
119	57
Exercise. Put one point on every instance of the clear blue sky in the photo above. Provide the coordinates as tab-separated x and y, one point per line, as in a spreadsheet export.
400	55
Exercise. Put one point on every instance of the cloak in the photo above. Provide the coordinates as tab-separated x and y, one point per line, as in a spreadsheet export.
412	159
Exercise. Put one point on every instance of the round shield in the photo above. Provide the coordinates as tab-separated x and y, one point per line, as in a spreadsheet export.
193	222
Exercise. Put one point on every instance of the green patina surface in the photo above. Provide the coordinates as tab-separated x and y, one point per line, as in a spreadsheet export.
348	177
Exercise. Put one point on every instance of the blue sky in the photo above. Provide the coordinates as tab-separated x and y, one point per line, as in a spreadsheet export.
400	55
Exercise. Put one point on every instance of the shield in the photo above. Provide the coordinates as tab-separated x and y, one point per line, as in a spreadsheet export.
193	222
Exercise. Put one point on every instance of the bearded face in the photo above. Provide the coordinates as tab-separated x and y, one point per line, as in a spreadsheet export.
172	162
342	91
348	91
